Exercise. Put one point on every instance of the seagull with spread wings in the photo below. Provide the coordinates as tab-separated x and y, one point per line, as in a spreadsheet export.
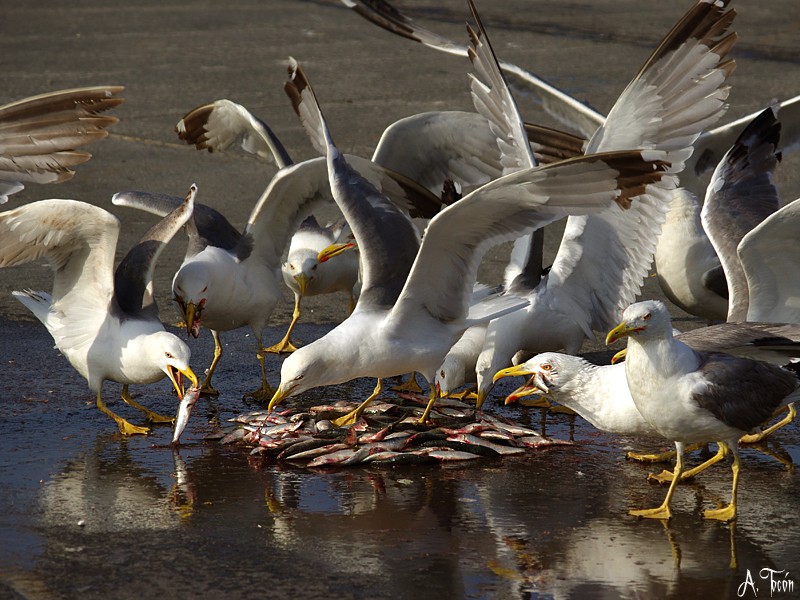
105	322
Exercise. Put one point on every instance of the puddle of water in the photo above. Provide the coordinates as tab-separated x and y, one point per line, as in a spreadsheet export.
85	513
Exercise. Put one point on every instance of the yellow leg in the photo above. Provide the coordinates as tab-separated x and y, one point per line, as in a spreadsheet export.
664	511
428	408
355	415
467	393
152	417
667	476
285	346
791	412
663	457
265	392
727	513
206	389
125	428
409	386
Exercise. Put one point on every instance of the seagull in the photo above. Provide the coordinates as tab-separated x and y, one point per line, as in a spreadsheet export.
603	258
415	298
231	279
39	135
689	396
688	270
104	322
306	275
600	393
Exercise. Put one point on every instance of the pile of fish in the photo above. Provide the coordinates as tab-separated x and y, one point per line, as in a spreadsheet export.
388	433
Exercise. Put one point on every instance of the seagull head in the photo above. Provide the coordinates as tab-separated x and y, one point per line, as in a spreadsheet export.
304	369
300	270
646	318
449	376
548	372
190	289
172	357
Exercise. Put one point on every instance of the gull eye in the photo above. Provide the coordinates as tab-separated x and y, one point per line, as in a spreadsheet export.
292	268
441	372
647	317
168	355
547	367
314	268
299	377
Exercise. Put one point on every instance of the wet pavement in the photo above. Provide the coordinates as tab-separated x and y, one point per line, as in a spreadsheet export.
85	513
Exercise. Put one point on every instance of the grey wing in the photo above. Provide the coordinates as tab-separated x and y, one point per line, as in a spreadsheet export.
712	144
208	227
746	339
386	237
39	135
560	105
133	277
742	393
741	195
217	126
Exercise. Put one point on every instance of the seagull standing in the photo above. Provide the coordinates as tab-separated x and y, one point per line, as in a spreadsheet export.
689	396
104	322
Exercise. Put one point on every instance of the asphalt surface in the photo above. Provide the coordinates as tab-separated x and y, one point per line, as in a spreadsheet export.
85	513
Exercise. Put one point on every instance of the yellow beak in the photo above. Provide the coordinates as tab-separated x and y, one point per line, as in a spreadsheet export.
280	394
302	283
619	356
511	372
188	316
176	383
333	250
620	331
522	391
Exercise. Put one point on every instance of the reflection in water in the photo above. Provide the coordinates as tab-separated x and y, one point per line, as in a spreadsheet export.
549	524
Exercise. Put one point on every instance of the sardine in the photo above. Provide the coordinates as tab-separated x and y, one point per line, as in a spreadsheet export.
302	446
512	428
499	448
344	457
276	431
538	441
445	454
184	410
398	458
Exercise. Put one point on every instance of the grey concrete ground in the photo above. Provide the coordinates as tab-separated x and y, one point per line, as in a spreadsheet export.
203	522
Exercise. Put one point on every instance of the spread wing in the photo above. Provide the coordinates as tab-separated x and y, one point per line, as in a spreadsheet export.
770	255
219	125
39	135
561	106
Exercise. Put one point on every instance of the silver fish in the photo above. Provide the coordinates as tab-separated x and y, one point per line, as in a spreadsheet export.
445	454
537	441
184	410
499	448
347	456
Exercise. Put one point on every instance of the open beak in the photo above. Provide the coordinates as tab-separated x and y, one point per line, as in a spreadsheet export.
191	315
302	282
334	250
619	356
524	390
620	331
176	376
